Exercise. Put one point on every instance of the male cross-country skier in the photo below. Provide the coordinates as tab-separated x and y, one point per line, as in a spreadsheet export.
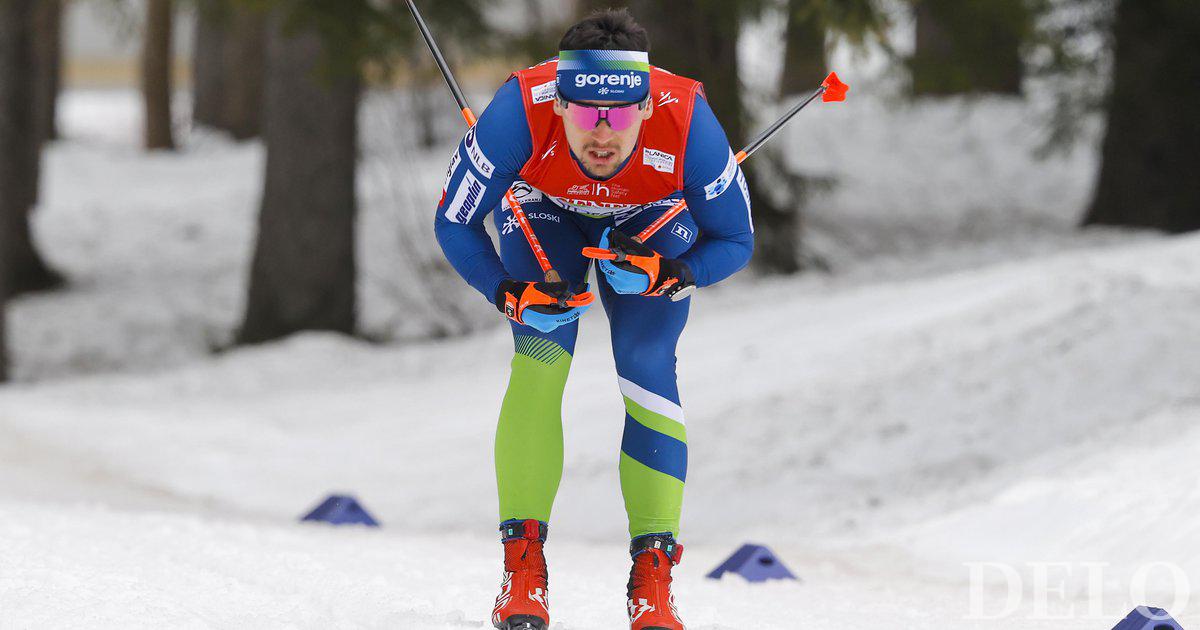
596	144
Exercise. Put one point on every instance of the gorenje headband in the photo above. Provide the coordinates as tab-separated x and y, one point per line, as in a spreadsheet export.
604	75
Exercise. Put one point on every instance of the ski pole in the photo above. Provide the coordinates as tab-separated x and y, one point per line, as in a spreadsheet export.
469	116
832	89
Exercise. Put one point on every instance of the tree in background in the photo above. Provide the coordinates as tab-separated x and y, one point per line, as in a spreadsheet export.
463	33
47	28
715	25
805	60
156	60
245	61
208	63
971	46
16	137
811	25
1150	154
229	59
25	270
304	273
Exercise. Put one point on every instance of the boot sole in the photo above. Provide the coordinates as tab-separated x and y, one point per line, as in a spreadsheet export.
523	622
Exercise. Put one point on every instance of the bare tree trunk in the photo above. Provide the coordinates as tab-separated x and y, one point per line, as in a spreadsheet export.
208	63
1150	159
24	269
156	74
969	46
48	51
304	273
804	55
228	64
245	56
717	24
16	124
3	317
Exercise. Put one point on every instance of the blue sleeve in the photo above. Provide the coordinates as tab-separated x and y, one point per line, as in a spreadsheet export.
485	164
719	200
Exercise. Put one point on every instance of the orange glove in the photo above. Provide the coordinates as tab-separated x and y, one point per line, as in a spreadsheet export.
542	305
632	267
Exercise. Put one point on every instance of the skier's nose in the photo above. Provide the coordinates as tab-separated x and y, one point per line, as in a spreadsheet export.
603	132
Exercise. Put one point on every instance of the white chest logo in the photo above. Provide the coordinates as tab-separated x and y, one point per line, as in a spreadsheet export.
660	161
544	92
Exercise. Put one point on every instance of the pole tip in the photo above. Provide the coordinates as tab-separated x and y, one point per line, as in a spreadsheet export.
835	90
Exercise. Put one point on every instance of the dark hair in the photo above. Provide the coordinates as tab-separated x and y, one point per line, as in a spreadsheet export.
606	29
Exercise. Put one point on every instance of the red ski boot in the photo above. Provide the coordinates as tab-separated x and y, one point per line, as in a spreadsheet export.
651	604
524	601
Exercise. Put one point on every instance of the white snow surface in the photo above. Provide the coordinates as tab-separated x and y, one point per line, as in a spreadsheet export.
986	401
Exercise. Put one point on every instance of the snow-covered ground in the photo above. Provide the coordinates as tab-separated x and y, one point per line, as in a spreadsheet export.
994	388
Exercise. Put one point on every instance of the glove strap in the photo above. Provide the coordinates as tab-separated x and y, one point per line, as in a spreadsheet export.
512	307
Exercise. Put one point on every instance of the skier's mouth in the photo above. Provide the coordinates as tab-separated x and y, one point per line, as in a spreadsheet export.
602	156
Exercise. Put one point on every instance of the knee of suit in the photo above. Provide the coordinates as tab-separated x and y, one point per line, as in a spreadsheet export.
644	360
540	362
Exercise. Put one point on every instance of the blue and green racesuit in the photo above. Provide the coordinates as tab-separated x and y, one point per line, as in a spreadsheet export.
714	238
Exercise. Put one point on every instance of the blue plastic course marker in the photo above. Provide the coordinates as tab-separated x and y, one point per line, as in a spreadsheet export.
756	563
341	510
1147	618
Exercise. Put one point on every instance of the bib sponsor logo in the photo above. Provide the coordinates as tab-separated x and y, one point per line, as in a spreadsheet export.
524	192
595	208
544	92
599	189
631	80
482	164
665	98
550	152
584	203
660	161
722	182
466	200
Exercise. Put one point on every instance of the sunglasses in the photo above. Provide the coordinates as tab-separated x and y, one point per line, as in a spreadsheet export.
588	117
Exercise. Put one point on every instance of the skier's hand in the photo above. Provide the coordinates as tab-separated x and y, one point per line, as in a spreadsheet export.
633	268
542	305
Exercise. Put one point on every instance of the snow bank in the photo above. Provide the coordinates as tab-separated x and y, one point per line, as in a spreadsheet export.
915	418
993	401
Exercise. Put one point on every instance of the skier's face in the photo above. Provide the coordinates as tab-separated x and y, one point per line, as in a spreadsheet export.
602	148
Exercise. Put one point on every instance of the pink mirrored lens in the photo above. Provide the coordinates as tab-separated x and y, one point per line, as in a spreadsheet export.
619	118
622	117
583	117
